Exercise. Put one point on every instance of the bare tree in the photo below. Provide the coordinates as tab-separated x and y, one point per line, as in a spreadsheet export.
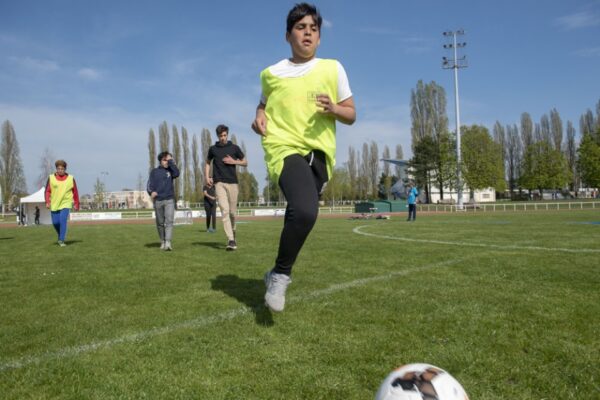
571	154
197	170
374	168
514	153
364	175
399	156
185	167
500	138
352	166
163	137
12	179
387	170
526	130
546	135
151	150
586	123
46	167
206	141
556	129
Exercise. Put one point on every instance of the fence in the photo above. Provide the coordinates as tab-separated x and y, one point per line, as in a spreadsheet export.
578	205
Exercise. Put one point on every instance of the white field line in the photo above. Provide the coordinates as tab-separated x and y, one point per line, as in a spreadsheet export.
204	321
359	231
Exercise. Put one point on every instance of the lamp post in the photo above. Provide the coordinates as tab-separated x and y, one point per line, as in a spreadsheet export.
456	63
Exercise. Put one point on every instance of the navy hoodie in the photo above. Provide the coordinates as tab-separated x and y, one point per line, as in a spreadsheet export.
161	181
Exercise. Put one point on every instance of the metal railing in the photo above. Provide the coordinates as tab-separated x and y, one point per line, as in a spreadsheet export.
496	207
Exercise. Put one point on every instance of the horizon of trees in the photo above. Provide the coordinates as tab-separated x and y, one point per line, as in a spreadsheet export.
530	155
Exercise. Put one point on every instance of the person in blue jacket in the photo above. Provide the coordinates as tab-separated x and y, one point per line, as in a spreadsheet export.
160	187
412	201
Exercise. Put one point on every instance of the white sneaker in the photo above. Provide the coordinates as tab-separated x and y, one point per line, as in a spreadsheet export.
276	286
162	245
168	245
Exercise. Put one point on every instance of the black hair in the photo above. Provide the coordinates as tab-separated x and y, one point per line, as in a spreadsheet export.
222	128
163	155
300	11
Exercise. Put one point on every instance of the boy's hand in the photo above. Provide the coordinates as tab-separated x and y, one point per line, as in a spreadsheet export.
325	105
229	160
259	125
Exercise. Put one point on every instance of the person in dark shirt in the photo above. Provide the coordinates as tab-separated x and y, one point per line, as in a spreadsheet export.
210	207
37	215
161	190
224	156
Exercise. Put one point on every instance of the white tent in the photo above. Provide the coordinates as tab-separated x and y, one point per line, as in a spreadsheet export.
29	203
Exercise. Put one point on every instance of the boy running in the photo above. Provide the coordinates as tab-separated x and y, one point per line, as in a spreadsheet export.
302	98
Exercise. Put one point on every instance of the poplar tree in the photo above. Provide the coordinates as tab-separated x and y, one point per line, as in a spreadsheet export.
197	168
151	150
163	137
177	156
352	166
12	178
46	167
185	166
556	129
571	155
399	156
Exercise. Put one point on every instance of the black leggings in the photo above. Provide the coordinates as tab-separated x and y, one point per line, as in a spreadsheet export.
211	214
300	183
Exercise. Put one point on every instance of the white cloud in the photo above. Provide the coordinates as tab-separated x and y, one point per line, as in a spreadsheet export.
327	23
588	52
578	20
35	64
89	74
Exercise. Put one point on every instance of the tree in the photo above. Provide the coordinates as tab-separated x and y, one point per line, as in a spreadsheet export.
177	156
387	172
571	155
545	129
586	123
163	137
151	151
399	156
423	163
556	129
481	160
99	191
12	179
46	167
352	166
271	191
544	167
338	187
187	181
588	163
364	177
526	130
514	151
197	168
374	168
206	142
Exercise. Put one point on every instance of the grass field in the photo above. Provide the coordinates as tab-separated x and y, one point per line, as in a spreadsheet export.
508	303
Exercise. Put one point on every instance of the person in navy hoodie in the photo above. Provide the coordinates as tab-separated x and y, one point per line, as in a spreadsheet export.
160	187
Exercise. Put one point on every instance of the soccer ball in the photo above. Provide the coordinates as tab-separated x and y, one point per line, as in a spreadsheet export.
420	382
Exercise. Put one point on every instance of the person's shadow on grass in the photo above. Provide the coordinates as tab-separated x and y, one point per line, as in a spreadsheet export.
70	242
247	291
7	238
214	245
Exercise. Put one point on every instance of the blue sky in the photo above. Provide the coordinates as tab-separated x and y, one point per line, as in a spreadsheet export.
88	79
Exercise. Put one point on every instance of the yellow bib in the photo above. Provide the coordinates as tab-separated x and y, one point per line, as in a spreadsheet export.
61	194
294	126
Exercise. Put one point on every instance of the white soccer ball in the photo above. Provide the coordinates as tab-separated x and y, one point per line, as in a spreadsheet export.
420	382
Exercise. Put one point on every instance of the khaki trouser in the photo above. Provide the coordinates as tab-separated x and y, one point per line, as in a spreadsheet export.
227	194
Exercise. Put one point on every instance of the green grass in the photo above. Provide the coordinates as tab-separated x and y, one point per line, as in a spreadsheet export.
508	303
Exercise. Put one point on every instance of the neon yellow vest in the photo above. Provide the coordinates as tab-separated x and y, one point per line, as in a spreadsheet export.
61	195
294	125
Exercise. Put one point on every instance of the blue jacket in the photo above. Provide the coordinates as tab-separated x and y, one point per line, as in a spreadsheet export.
412	196
161	181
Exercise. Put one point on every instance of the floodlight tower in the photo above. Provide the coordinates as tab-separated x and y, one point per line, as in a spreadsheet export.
456	63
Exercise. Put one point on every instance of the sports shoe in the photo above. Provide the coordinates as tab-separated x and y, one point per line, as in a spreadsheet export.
276	286
162	245
168	245
231	245
62	244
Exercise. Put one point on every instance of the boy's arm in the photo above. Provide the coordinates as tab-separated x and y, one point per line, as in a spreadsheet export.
259	125
343	111
207	179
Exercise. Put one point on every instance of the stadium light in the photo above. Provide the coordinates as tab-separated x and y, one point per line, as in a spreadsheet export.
456	63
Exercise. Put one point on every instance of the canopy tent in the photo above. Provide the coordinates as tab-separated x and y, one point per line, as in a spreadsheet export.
29	203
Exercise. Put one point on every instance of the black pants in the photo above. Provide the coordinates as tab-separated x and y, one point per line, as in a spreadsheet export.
211	214
301	182
412	211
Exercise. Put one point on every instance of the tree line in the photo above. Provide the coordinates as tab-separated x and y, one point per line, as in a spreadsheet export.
513	158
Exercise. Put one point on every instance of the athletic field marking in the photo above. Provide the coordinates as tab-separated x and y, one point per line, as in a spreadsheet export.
205	321
492	246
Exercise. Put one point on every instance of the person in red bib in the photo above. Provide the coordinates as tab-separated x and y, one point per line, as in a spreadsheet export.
61	194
